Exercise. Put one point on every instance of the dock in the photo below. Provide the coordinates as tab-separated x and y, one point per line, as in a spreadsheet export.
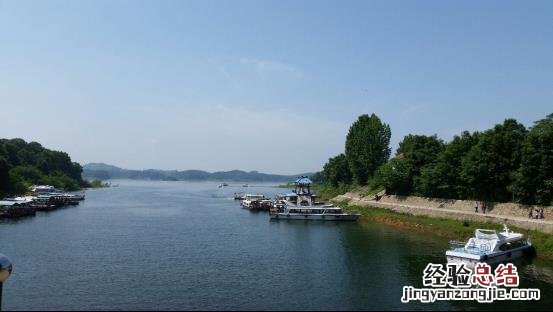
41	198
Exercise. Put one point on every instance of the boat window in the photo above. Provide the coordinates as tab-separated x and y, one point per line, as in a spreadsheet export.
511	245
505	246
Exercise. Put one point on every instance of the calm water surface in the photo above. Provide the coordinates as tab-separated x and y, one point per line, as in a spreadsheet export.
183	245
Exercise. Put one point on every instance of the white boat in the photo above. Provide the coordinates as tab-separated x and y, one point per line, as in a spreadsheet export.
301	205
41	189
250	199
490	247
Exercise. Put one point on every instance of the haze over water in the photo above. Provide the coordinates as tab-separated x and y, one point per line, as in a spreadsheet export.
185	245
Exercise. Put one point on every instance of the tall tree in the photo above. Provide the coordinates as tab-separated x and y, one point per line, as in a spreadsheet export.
418	151
367	147
336	171
442	178
394	176
534	179
489	167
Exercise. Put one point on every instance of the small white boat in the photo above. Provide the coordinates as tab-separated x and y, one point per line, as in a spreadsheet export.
42	189
245	185
490	247
239	196
250	199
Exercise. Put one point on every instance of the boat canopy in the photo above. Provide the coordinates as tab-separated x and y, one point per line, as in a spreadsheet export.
303	180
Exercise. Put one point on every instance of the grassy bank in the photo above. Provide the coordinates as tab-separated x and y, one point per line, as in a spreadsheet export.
448	228
326	192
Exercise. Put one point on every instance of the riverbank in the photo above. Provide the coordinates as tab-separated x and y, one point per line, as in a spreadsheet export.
453	229
508	213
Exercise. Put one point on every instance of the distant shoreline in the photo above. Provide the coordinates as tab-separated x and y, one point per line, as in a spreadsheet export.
104	172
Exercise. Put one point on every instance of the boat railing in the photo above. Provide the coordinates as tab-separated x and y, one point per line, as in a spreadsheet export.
453	245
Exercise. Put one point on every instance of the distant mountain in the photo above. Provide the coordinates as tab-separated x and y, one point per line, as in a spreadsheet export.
104	172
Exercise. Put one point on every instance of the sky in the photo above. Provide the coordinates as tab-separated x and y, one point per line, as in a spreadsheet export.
271	86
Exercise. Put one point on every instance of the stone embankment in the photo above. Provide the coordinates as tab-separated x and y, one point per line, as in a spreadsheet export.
508	213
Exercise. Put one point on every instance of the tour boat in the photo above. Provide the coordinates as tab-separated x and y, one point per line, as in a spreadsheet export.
490	247
322	213
301	205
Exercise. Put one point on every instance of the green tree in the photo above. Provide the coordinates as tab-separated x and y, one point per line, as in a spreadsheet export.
534	179
23	164
394	176
418	151
318	177
17	184
336	171
489	167
28	173
367	147
4	177
443	178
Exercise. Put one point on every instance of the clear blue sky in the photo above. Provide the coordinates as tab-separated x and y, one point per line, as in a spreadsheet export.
200	84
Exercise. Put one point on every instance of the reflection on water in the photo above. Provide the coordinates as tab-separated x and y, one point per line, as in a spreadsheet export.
181	245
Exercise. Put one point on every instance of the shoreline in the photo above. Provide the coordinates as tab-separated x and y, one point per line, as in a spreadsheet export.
445	227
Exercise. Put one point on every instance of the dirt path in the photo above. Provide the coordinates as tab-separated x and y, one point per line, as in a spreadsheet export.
542	225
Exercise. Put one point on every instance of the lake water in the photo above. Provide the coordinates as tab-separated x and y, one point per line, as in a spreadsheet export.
183	245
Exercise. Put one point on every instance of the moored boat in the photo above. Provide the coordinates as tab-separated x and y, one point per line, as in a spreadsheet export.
301	204
250	201
321	213
489	246
43	200
261	204
16	207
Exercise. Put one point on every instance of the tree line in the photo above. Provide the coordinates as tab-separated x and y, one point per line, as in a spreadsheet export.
24	164
508	162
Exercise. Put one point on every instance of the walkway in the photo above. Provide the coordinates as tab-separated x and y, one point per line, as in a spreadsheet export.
542	225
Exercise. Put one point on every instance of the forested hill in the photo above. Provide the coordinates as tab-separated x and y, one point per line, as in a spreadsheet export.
104	172
23	164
